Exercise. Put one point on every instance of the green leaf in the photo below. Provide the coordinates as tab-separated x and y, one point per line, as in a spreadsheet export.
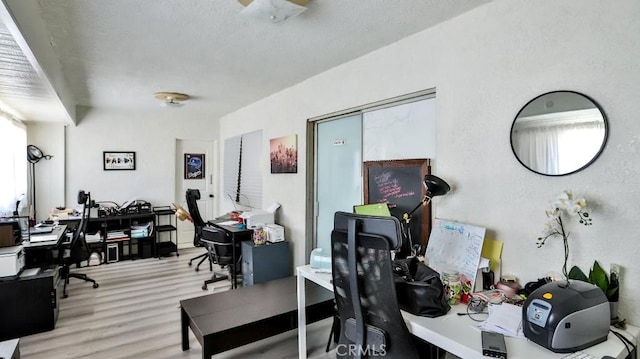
577	274
598	276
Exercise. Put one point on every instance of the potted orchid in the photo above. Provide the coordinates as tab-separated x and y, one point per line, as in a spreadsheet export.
558	215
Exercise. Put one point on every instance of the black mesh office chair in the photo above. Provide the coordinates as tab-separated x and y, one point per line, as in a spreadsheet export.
220	250
364	289
192	196
78	249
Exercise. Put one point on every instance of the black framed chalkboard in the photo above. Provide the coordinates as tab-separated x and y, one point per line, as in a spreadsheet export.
399	184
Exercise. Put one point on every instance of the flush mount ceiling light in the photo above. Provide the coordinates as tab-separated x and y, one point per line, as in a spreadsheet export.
273	10
171	99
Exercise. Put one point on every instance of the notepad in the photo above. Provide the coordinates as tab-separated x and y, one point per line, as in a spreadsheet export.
504	318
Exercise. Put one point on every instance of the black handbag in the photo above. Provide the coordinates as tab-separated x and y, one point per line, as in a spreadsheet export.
419	288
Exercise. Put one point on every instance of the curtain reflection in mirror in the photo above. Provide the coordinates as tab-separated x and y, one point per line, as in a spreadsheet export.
558	143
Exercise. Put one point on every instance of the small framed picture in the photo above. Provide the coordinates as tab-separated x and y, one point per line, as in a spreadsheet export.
194	166
118	160
284	154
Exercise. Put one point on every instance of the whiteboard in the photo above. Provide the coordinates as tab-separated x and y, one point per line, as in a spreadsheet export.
403	131
455	246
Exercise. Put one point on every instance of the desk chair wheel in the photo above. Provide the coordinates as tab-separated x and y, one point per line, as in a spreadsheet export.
197	269
96	285
204	287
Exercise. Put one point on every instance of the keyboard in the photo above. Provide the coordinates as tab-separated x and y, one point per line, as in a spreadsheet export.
579	355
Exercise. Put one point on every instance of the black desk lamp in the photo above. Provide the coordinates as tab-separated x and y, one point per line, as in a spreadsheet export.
435	186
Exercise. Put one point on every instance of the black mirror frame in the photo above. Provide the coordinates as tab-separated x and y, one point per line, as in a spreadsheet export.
604	140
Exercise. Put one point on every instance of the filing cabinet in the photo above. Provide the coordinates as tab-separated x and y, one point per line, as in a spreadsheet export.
262	263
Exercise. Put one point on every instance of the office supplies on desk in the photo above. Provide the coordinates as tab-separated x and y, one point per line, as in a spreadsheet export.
228	223
493	345
29	272
38	229
320	260
373	209
275	233
455	246
44	237
566	316
505	319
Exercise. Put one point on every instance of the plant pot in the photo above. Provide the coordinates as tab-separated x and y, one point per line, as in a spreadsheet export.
613	307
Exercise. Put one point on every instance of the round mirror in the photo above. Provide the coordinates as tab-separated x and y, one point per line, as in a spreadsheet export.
559	133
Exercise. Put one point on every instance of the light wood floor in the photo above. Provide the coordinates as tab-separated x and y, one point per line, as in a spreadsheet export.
135	314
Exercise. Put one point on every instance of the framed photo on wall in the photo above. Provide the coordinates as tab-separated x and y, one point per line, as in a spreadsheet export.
118	160
283	152
194	166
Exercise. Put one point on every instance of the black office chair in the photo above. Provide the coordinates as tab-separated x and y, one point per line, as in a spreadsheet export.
78	249
192	196
370	321
220	250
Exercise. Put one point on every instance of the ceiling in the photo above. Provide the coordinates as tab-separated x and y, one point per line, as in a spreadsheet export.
118	53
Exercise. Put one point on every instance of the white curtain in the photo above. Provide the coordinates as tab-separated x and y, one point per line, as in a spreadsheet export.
13	165
560	148
574	157
538	148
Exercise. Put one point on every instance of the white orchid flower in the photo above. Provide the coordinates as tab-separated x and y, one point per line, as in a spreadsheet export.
554	226
566	194
573	209
553	212
581	202
550	226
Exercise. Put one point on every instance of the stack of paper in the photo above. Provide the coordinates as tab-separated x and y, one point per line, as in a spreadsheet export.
139	233
115	235
93	237
504	318
141	230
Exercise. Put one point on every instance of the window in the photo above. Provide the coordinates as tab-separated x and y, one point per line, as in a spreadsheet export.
13	164
243	169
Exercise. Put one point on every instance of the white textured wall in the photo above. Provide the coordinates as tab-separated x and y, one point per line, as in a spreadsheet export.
485	65
151	135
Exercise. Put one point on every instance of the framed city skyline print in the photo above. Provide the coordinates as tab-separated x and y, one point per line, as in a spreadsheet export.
283	152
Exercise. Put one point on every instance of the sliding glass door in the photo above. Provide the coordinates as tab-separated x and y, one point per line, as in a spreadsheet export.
339	172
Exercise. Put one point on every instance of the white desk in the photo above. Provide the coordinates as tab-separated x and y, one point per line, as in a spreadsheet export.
455	333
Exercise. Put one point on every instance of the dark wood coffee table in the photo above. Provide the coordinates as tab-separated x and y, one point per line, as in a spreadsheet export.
227	320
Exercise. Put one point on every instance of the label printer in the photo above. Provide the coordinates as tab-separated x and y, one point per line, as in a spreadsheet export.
566	317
